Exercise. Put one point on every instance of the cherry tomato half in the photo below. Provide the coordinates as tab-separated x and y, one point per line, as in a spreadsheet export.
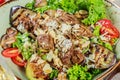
18	60
108	28
2	1
10	52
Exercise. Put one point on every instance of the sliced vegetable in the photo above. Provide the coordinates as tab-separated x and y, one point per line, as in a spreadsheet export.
18	60
10	52
108	29
2	1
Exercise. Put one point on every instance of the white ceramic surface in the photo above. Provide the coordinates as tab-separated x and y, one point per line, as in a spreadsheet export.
113	12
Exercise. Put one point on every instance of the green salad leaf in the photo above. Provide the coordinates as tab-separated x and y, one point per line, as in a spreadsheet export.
97	11
23	43
53	74
96	31
30	5
78	72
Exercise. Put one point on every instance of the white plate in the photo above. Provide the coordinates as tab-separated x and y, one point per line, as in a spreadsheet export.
113	12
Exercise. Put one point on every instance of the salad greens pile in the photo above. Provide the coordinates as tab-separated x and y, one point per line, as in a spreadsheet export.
95	8
78	72
23	43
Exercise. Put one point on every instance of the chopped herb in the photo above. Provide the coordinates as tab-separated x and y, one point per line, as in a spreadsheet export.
53	74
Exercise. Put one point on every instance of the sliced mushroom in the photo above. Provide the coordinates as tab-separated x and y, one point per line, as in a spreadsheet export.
8	38
51	13
40	3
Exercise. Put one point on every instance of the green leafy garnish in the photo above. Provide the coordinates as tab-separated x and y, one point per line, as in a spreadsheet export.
30	5
23	43
95	72
97	11
78	72
44	57
96	31
53	74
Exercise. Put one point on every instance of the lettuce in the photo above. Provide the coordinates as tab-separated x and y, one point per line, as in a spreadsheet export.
96	31
78	72
21	41
97	11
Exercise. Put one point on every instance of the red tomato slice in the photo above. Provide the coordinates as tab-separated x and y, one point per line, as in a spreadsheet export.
2	1
10	52
108	28
18	60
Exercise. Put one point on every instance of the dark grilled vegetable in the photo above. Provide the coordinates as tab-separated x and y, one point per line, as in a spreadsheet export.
102	57
22	18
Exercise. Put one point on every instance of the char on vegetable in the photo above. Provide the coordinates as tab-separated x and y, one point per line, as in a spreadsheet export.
58	39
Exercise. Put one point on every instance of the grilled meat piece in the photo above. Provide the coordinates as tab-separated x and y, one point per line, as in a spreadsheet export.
45	41
66	58
101	56
81	30
77	57
68	18
72	57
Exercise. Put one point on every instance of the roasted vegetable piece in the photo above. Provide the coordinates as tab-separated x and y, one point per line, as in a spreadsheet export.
37	68
21	17
103	57
10	52
18	60
108	30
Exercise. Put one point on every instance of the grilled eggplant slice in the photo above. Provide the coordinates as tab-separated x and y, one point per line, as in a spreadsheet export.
102	57
22	18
